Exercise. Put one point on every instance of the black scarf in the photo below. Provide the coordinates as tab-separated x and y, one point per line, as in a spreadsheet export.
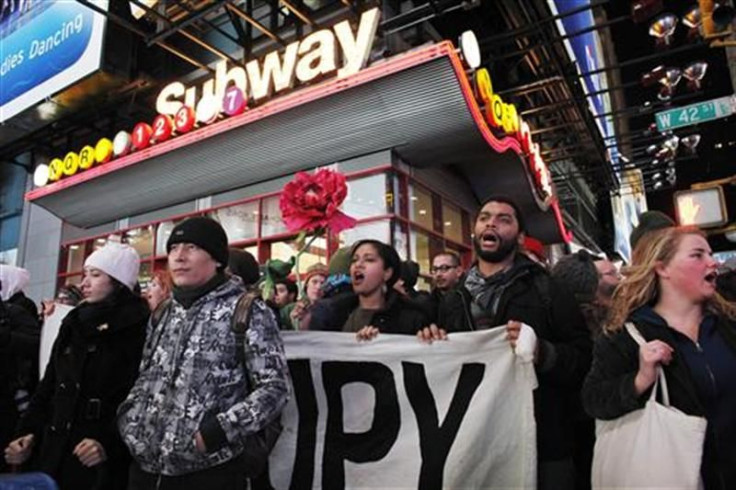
186	296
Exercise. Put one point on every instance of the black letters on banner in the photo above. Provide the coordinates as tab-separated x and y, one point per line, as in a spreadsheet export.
435	440
306	441
367	446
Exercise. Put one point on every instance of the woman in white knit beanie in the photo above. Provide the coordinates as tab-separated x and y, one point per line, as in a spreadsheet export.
94	362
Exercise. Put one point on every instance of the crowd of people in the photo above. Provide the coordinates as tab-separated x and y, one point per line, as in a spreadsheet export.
183	386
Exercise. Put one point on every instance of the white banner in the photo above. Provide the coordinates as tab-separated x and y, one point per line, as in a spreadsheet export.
51	326
398	413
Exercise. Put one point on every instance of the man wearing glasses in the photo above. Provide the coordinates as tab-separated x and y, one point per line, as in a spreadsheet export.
446	271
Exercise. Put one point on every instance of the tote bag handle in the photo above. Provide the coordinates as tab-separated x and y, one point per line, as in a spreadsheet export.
661	381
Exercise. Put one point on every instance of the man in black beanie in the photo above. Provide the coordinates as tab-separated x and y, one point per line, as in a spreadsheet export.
182	428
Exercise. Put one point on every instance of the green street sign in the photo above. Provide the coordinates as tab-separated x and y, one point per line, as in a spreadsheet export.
696	113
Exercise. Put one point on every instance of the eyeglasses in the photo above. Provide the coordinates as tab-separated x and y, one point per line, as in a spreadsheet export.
440	268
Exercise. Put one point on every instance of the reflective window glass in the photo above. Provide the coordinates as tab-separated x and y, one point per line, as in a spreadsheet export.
423	247
240	221
377	230
420	206
141	239
271	223
452	222
163	230
316	253
366	197
75	257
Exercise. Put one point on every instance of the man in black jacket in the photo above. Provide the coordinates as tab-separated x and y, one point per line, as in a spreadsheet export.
505	288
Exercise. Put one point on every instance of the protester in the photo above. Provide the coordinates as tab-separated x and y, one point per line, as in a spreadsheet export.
405	286
726	283
374	306
94	361
243	264
669	293
447	271
337	284
592	280
158	289
285	292
649	221
299	314
19	341
580	272
16	279
608	279
504	287
189	416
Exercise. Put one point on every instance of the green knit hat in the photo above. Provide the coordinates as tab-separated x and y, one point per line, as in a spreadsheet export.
340	262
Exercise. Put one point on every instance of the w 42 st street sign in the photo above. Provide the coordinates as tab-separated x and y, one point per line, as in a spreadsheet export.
696	113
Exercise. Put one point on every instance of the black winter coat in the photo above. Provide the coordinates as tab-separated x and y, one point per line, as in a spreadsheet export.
94	363
609	390
399	316
534	298
19	342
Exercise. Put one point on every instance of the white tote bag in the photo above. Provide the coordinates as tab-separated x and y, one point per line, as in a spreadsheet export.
657	447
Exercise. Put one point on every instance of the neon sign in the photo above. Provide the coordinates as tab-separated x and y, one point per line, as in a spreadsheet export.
504	117
339	51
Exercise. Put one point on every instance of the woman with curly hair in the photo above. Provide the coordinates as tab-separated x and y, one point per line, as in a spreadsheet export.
669	293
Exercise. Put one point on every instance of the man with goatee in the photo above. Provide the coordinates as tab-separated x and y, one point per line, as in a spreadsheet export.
504	287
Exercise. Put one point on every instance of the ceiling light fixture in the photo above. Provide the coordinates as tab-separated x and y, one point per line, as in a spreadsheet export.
663	28
691	142
669	82
694	73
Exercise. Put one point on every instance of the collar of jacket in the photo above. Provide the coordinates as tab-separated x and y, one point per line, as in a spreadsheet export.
230	285
119	312
187	296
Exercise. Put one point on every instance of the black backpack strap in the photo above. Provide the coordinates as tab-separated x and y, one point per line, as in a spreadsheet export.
240	321
259	445
160	312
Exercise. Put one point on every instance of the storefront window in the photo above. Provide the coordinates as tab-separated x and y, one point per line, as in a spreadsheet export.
367	197
162	235
376	230
145	274
240	222
141	239
75	257
452	222
420	206
99	243
75	280
271	223
401	240
316	253
423	248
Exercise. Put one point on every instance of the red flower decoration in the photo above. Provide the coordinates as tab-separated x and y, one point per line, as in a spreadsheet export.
311	201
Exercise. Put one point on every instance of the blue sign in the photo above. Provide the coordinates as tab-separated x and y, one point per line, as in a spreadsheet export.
585	50
44	47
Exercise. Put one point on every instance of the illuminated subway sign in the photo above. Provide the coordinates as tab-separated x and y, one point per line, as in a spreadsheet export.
338	50
505	117
302	61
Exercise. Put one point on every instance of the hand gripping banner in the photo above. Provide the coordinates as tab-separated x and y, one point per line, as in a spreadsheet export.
397	413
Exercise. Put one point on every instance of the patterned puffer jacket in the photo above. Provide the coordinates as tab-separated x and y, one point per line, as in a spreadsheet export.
190	380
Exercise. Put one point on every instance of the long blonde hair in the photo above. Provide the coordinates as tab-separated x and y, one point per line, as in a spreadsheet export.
641	285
